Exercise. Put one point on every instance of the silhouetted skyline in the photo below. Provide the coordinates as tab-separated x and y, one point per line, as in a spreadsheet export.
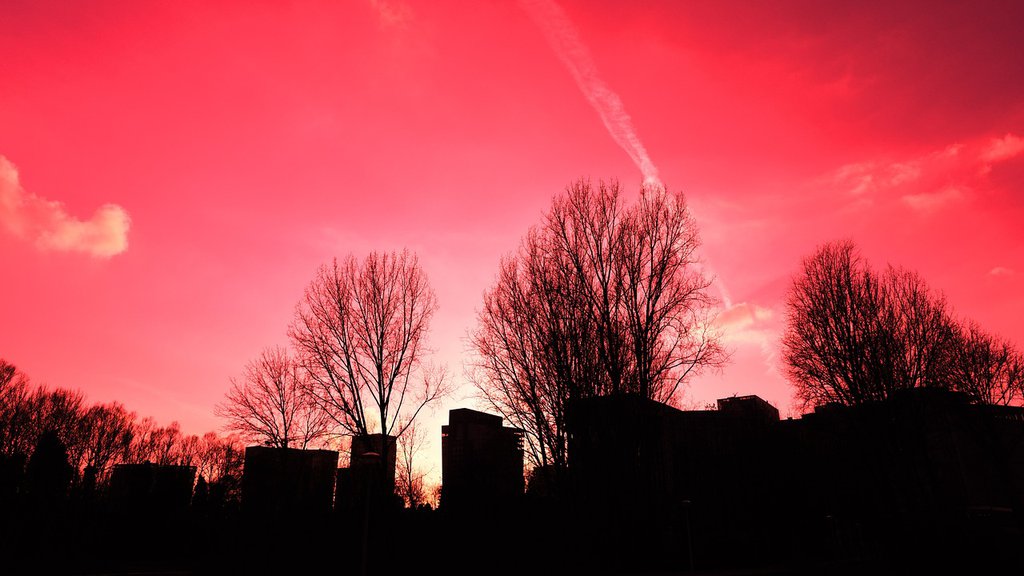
208	158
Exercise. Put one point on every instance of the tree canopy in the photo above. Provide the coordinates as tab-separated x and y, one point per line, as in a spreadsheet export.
602	297
855	335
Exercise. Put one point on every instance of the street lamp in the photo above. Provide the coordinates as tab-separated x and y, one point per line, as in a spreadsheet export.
689	538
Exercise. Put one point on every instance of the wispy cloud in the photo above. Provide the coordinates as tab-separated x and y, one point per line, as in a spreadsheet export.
564	39
1004	148
749	324
392	12
1001	271
930	181
744	316
48	225
931	201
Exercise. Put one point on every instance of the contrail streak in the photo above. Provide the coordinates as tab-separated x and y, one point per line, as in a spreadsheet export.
562	36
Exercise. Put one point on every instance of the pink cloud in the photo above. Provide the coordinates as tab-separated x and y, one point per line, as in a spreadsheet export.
743	315
1004	148
929	181
930	201
48	224
392	12
744	324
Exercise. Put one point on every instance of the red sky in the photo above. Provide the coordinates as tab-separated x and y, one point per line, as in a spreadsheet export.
247	143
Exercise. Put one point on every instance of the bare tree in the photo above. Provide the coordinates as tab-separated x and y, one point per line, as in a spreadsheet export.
16	412
410	481
834	316
190	450
988	369
601	298
854	335
60	411
219	462
142	447
206	462
109	429
535	349
11	380
360	331
919	329
219	457
667	302
154	443
270	404
166	443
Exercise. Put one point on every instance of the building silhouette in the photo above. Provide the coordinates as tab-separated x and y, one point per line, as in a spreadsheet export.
370	477
645	473
925	475
288	481
481	461
158	493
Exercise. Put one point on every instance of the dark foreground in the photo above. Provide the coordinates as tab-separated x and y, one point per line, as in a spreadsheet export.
526	540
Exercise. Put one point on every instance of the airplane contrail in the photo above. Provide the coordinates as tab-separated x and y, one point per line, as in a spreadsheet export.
562	36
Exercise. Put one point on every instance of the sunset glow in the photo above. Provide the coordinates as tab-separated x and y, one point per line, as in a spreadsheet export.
172	174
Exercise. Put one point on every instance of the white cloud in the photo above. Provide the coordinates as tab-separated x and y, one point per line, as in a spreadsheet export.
1001	271
48	225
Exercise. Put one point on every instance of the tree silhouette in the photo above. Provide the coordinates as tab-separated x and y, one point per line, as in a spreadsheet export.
220	462
60	411
190	450
601	298
219	457
988	368
48	472
854	335
11	380
360	331
410	480
271	405
109	429
154	443
16	412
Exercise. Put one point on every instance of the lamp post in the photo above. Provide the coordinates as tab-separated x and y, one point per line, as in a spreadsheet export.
689	538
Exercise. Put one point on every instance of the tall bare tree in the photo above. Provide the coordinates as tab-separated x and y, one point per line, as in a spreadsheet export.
834	319
601	298
535	348
667	301
361	332
270	404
